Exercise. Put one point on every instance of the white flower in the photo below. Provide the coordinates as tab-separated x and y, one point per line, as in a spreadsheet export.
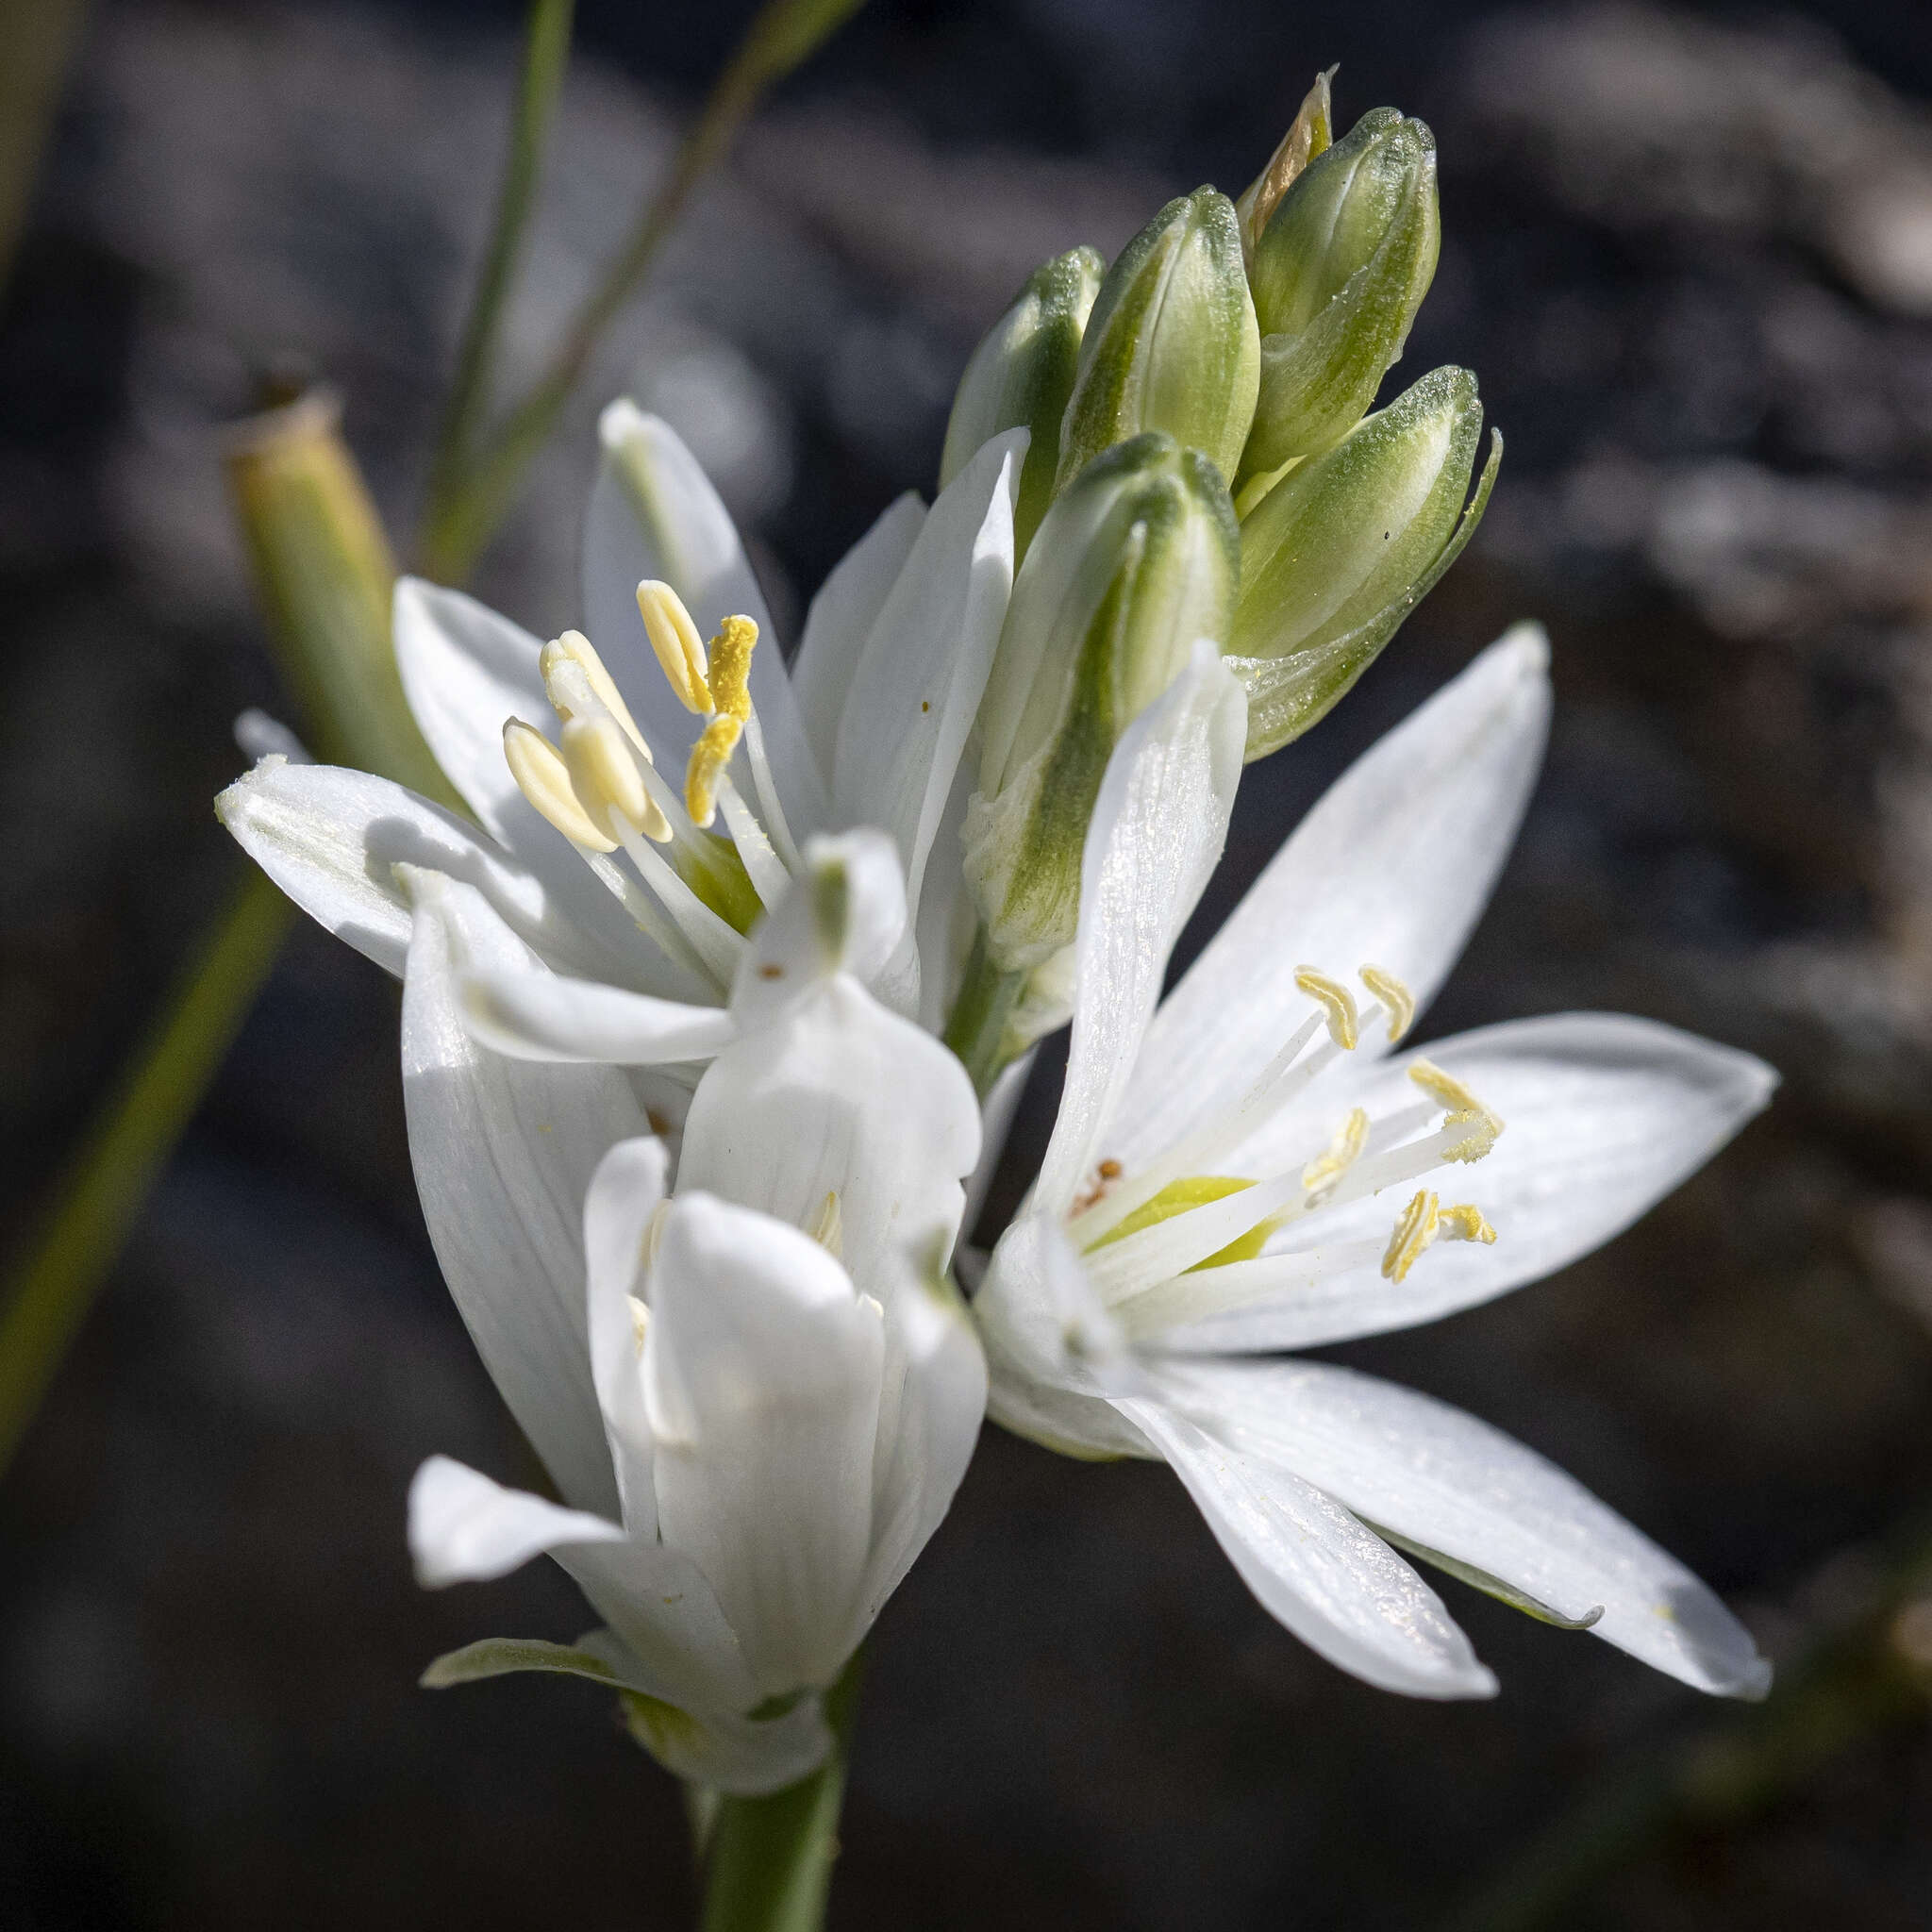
757	1396
633	956
1247	1169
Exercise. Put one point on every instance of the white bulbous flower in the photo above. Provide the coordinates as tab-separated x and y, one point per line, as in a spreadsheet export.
755	1393
1245	1166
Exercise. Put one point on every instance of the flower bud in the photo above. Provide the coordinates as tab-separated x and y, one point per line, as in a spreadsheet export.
1021	376
1338	273
1345	547
1172	343
1135	561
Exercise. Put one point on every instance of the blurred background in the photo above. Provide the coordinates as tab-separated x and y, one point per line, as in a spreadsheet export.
1690	255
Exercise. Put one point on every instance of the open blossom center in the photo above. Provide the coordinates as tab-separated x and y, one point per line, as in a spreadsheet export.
1177	1241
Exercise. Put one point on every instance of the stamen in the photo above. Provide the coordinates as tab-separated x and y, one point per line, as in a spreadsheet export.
640	1322
604	775
573	647
826	1227
1321	1174
1465	1222
1335	1000
729	676
1464	1109
1396	997
1424	1223
654	1234
544	778
675	638
708	757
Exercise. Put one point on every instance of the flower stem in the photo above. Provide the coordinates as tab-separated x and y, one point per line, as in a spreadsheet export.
125	1149
462	515
770	1868
977	1030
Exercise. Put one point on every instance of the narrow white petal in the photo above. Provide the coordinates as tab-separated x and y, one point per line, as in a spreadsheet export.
624	1193
842	617
1157	829
1440	1478
841	1096
465	1528
1392	867
915	692
761	1372
654	513
1604	1116
503	1151
541	1016
1316	1570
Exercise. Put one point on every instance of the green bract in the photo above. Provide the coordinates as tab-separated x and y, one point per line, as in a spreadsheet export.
1021	376
1171	344
1343	548
1338	272
1135	561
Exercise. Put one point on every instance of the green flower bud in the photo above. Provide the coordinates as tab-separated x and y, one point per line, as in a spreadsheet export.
1021	376
1134	563
1308	135
1338	273
1345	547
1172	343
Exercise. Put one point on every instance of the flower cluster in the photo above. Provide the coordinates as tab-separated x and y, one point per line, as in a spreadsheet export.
714	1006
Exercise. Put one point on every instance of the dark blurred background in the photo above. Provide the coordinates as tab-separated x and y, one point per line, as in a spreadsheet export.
1688	254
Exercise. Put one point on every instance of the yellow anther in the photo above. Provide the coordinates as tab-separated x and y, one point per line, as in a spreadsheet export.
729	676
639	1321
1397	1001
1415	1228
1463	1110
573	647
654	1234
544	778
1337	1001
827	1228
675	640
1465	1224
604	777
708	757
1322	1172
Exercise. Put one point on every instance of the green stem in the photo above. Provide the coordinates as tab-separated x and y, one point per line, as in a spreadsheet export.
102	1192
460	521
770	1868
546	52
977	1030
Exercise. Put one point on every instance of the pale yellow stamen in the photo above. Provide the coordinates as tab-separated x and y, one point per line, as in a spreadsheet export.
1396	999
1335	1000
675	638
639	1321
544	778
730	677
1465	1224
573	647
1415	1228
826	1227
708	757
1319	1176
654	1234
604	777
1463	1110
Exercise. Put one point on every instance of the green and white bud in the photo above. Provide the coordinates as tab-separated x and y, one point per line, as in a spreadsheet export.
1338	273
1171	344
1021	376
1345	547
1135	561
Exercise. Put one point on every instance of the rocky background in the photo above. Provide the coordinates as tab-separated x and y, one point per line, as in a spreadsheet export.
1691	257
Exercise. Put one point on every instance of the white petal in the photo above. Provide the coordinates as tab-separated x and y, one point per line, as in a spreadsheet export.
1391	869
464	1528
332	839
543	1016
466	671
624	1194
654	513
1337	1587
1440	1478
841	619
1604	1116
1157	829
839	1096
915	692
932	1397
503	1151
761	1372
